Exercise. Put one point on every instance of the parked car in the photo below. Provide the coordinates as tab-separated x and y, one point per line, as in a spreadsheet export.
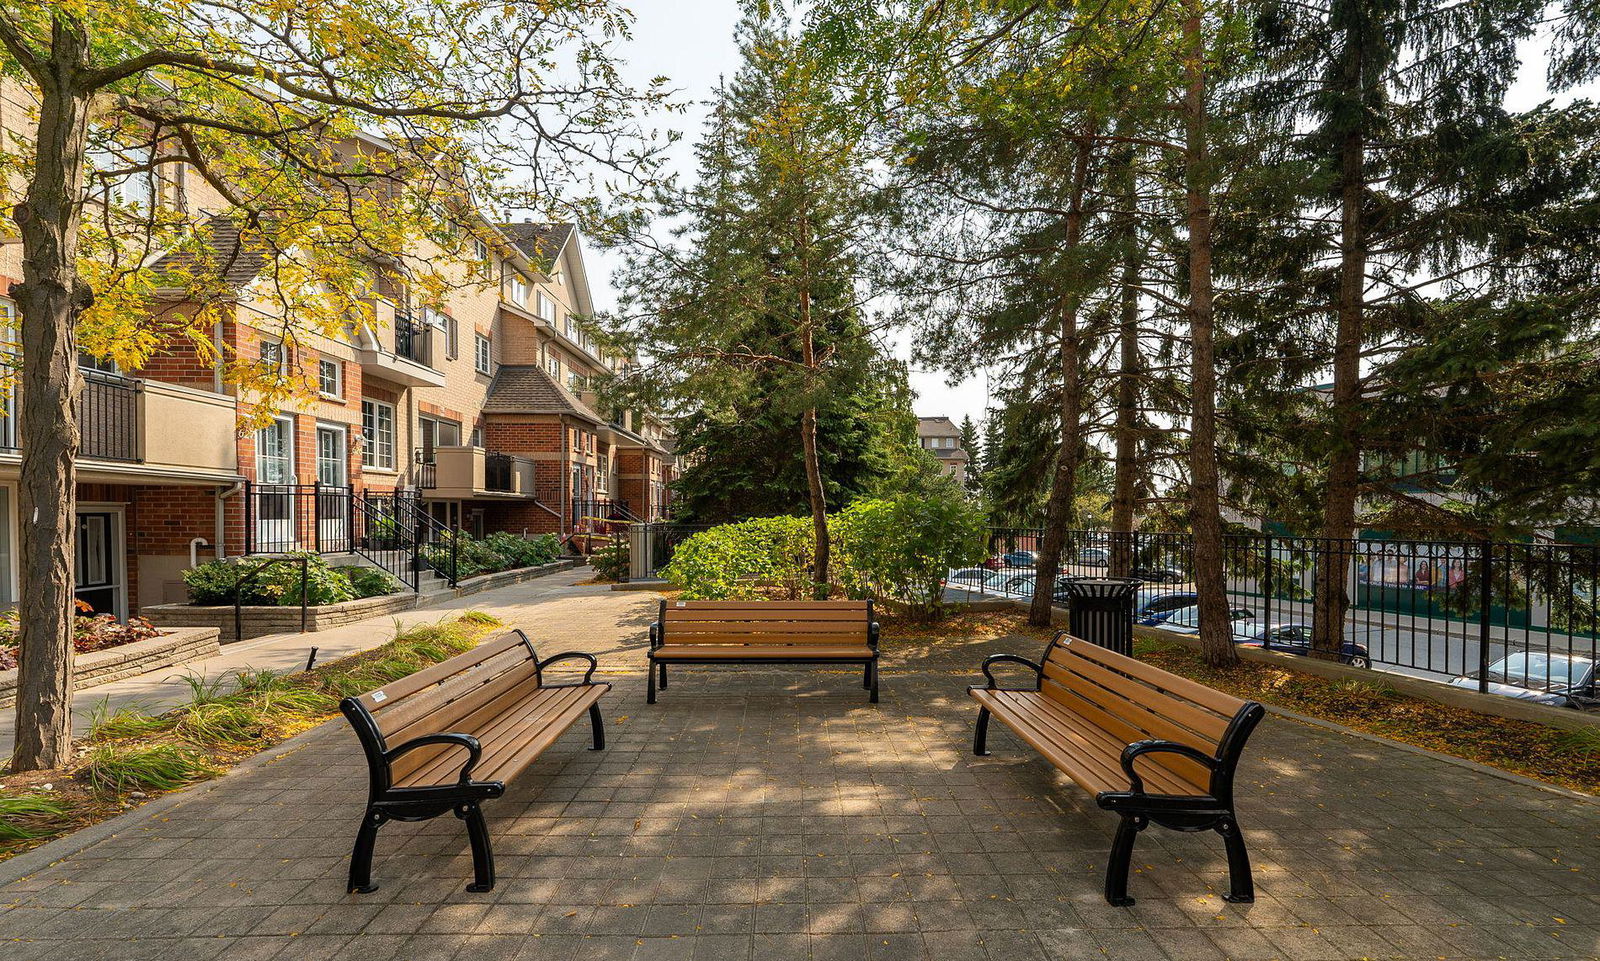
1094	557
1296	639
1160	575
1022	586
1019	559
1187	621
974	576
1560	680
1153	607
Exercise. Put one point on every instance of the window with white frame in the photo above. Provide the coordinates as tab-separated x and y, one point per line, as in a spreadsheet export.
546	309
330	378
519	290
572	327
552	364
574	382
480	353
274	357
377	434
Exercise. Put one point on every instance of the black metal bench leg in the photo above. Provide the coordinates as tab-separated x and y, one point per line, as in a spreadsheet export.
1242	887
980	737
872	668
650	695
866	677
361	857
1121	860
599	725
482	855
663	676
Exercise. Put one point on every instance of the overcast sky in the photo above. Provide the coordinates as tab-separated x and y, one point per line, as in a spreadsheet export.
691	41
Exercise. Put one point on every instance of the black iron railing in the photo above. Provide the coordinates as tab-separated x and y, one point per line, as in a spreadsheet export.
497	472
108	417
427	469
410	339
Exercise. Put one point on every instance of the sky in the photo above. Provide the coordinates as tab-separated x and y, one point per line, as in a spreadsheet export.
691	42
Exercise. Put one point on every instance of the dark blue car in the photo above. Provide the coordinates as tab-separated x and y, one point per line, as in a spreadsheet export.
1296	639
1153	607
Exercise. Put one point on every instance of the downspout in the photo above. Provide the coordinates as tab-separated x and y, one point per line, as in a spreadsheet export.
223	493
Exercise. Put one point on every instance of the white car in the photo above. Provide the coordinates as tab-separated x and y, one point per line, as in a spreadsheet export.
1187	621
1559	680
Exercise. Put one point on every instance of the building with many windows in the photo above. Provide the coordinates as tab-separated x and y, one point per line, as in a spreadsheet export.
477	413
940	437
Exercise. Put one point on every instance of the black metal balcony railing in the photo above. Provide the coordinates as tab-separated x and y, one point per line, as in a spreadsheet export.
410	339
427	470
108	416
497	472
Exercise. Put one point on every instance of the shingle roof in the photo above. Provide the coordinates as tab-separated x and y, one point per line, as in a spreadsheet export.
937	427
540	243
520	389
224	254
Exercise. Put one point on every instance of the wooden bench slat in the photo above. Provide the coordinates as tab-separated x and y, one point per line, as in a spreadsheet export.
552	724
398	690
415	714
468	714
1141	699
855	627
785	616
1224	704
515	723
1082	700
730	632
746	651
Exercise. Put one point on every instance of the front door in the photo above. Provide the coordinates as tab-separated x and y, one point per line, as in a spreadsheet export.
333	503
97	582
275	476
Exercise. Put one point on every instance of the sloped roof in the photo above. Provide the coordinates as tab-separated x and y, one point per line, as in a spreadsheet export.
937	427
518	389
222	253
540	243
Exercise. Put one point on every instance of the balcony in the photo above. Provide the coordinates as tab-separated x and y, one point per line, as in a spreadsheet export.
473	473
401	350
146	431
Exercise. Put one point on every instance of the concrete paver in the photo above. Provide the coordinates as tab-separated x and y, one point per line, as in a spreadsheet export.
774	813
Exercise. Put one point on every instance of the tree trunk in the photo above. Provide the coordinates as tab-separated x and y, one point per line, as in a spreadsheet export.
1331	600
1126	429
1064	486
819	499
1205	511
50	298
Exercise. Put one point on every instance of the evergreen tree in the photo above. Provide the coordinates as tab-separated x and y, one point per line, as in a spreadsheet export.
974	450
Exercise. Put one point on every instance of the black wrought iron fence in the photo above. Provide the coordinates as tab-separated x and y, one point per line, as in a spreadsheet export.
108	416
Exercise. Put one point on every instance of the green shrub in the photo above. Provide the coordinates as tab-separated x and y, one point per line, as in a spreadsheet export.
500	551
369	581
215	582
902	547
738	560
611	561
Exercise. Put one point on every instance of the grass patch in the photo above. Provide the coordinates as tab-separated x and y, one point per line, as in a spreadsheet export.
131	754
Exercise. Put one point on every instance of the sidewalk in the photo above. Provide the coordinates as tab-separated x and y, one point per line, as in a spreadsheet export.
288	652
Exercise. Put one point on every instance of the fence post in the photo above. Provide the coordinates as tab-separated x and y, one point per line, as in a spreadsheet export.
455	551
1485	599
249	521
316	516
1266	582
350	518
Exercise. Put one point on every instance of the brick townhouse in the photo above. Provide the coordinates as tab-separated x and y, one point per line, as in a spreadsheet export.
481	413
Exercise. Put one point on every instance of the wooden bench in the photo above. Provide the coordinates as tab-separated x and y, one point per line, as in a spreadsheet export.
1149	745
764	632
451	735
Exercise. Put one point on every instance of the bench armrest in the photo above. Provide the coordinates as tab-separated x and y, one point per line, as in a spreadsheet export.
588	676
474	750
1133	751
655	636
993	659
872	634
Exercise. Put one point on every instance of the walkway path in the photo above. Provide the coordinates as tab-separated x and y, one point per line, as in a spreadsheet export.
775	814
288	652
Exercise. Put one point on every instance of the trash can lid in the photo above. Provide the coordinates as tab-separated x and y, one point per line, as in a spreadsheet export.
1104	587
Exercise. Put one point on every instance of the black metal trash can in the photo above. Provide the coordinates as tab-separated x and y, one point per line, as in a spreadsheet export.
1101	611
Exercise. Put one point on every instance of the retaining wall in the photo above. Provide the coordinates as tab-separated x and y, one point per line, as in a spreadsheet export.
179	646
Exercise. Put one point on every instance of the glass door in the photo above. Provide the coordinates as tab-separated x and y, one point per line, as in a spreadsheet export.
97	583
275	532
333	500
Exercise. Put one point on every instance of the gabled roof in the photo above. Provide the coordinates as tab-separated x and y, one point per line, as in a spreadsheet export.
542	244
937	427
518	389
223	253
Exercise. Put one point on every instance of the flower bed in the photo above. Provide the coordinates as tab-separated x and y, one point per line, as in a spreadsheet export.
91	632
217	582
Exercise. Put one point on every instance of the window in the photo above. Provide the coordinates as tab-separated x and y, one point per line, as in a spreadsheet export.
552	364
273	356
377	434
330	378
573	380
547	309
572	327
452	339
477	436
480	353
519	290
484	265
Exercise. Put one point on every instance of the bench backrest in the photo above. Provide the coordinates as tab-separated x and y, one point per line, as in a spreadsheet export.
765	622
453	695
1135	701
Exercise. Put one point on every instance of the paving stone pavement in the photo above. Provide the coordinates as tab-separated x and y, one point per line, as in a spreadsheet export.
774	813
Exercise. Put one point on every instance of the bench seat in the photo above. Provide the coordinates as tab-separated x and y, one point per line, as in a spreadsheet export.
451	735
764	632
1148	745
